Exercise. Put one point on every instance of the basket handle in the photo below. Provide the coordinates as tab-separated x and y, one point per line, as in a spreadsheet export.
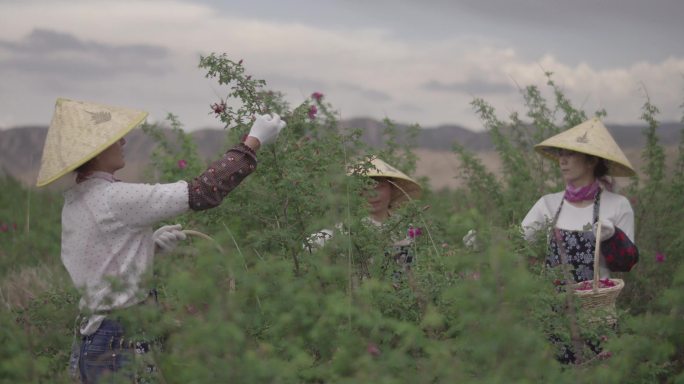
597	256
191	232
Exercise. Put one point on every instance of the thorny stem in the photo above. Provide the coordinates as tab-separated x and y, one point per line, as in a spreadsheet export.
569	301
287	199
350	245
244	261
420	298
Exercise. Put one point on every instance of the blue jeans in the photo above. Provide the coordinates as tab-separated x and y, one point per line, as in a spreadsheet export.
104	357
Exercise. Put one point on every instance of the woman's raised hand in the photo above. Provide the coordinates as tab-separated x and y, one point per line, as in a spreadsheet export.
266	128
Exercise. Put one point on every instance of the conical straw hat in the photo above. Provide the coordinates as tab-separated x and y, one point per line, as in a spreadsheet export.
590	137
405	188
78	132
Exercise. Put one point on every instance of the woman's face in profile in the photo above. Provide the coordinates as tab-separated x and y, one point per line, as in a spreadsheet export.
112	158
379	197
575	166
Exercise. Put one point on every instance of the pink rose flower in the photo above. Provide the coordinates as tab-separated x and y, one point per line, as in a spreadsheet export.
373	349
317	96
660	257
182	164
312	112
219	108
4	227
414	232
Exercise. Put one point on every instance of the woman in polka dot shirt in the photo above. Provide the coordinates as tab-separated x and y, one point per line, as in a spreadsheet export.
108	240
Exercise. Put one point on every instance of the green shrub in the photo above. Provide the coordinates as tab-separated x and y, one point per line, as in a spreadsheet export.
265	308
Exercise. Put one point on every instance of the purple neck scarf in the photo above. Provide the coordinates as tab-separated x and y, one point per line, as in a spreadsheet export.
575	194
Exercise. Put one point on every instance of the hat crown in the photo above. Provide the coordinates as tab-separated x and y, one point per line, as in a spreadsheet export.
405	187
79	131
592	138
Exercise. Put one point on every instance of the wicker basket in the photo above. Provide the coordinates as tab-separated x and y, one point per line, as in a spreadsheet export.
190	232
599	302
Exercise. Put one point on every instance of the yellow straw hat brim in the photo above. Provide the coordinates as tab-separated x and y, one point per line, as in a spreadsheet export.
405	188
78	132
591	138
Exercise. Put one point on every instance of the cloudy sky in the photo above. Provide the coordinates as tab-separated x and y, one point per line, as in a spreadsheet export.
413	61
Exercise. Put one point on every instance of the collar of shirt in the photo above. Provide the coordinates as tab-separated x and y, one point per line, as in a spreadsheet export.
81	177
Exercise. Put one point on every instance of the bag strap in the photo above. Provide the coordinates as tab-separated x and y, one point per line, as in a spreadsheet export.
595	213
597	247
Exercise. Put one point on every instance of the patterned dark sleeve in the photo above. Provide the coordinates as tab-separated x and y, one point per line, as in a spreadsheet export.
619	251
208	189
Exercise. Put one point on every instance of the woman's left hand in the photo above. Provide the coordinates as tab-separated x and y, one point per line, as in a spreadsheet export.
168	236
607	229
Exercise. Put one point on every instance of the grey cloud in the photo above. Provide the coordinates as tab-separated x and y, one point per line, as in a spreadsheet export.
367	93
577	14
307	85
54	53
604	34
475	87
406	107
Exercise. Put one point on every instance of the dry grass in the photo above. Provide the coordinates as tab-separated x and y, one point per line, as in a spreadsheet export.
439	166
18	289
442	167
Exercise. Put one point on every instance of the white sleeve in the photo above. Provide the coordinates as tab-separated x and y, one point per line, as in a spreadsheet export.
141	205
625	218
534	220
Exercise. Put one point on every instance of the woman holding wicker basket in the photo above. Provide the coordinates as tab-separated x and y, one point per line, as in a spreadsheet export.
108	239
591	227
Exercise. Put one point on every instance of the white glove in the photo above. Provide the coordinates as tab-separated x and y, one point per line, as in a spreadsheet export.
168	236
607	229
470	240
318	239
266	128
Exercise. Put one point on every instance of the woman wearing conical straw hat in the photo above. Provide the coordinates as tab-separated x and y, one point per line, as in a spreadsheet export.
587	155
391	188
108	240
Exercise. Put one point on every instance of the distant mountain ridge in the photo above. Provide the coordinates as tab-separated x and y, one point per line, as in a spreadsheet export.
21	147
444	136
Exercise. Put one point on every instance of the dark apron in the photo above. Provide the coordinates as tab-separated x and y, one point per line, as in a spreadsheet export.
579	246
